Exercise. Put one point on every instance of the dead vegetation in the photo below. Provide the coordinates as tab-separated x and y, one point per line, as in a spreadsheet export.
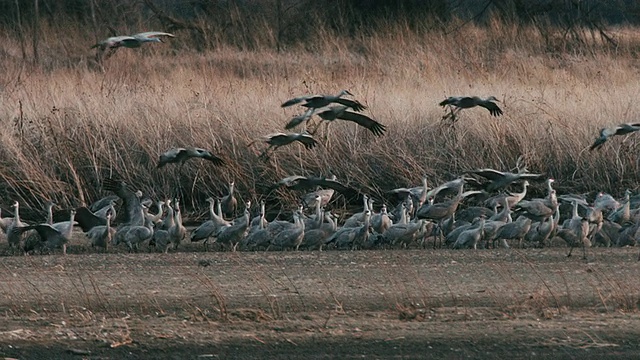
67	124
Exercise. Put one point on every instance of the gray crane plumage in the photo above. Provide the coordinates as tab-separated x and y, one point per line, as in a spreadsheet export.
466	102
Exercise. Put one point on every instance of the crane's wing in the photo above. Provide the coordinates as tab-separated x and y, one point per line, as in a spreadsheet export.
153	34
307	140
293	180
170	156
490	174
346	191
207	155
375	127
492	107
297	120
131	203
530	176
296	100
626	129
105	201
354	104
44	230
402	192
598	143
88	220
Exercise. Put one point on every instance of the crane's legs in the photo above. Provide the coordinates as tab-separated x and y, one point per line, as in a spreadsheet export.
452	114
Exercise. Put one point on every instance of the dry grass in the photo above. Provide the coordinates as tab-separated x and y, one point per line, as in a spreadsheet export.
67	124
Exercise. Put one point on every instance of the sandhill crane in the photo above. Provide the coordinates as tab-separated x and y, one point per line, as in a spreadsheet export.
500	179
260	217
316	219
102	235
448	186
516	230
472	212
441	211
505	214
132	214
466	102
512	198
177	232
315	238
87	220
319	101
233	234
419	193
102	212
168	220
208	228
161	240
404	232
14	237
470	237
623	214
541	231
131	41
453	235
576	232
291	236
358	218
362	234
277	140
156	218
5	222
101	203
380	222
181	155
351	237
136	235
606	202
314	102
606	133
536	209
298	182
49	210
52	235
340	113
229	203
257	236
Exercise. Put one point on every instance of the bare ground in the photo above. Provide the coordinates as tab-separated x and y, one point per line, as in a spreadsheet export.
532	303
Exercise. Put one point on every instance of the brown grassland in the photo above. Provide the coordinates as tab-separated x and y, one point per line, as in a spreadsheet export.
68	123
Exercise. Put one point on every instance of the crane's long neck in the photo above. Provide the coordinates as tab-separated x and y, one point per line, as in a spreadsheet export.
212	213
261	225
521	195
403	216
505	207
170	216
575	209
49	214
177	216
219	209
16	217
365	204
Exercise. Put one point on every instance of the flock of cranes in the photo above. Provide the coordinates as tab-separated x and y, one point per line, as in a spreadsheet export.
490	213
446	215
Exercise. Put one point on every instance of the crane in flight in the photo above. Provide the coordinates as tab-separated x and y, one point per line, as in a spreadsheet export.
606	133
467	102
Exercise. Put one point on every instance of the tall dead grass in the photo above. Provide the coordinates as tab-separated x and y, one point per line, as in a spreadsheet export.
67	125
